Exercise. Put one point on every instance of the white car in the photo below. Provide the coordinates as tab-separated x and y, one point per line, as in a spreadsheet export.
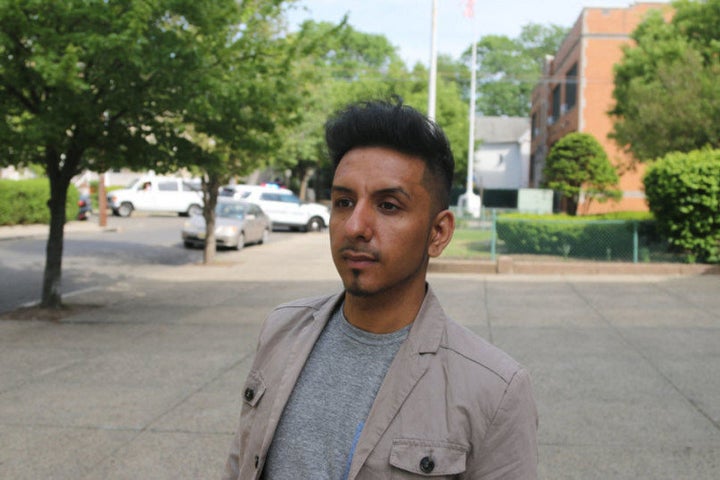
282	206
157	194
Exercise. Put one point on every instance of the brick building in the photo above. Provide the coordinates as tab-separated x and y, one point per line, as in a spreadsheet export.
575	94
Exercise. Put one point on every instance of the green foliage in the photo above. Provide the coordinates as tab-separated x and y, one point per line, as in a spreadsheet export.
578	163
153	84
592	237
340	65
666	90
509	68
25	202
683	191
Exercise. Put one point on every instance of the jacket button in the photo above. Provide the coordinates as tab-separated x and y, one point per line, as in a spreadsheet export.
427	465
249	394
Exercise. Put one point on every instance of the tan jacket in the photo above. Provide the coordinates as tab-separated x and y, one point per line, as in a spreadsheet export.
451	405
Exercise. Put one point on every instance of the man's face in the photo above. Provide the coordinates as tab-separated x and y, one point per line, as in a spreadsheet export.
381	222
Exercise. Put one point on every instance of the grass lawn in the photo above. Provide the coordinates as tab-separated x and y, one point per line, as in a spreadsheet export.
469	243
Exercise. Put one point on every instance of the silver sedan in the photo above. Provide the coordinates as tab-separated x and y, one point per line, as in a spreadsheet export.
237	224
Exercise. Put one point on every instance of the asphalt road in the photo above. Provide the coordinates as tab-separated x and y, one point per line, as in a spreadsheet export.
96	258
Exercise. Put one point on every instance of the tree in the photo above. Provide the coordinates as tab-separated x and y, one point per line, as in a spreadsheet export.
343	65
667	97
509	68
242	95
683	191
576	164
94	84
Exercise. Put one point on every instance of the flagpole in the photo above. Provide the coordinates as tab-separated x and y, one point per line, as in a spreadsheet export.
432	86
472	202
471	117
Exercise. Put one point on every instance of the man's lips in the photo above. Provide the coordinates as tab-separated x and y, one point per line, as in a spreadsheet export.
358	257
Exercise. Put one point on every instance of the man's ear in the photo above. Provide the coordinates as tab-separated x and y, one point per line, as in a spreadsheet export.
442	231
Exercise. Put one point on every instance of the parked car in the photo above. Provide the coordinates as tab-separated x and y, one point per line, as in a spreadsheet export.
84	207
237	223
282	206
157	194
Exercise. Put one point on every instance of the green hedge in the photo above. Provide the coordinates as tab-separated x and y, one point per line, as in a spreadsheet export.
683	191
24	202
607	237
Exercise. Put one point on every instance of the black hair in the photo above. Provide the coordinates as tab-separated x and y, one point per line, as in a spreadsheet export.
396	126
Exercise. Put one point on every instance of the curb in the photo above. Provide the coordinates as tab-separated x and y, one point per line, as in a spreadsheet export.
18	232
506	265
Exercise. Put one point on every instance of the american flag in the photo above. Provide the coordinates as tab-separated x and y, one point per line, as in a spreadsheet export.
469	8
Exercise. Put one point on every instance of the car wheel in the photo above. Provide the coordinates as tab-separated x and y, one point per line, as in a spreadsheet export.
194	209
315	224
240	241
265	236
188	244
125	209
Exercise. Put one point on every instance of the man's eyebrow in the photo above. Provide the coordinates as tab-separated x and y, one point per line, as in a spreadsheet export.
340	189
381	192
394	191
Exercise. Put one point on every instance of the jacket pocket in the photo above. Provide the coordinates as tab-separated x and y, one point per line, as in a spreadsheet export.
254	389
427	458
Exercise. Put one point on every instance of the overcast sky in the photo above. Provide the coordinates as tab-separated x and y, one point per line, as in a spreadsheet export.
407	23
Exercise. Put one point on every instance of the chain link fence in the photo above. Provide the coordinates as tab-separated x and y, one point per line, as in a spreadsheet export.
635	241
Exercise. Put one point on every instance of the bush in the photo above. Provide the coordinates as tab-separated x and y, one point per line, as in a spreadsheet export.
605	237
683	191
24	202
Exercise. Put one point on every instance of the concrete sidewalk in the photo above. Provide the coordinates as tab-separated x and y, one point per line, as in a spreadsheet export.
144	379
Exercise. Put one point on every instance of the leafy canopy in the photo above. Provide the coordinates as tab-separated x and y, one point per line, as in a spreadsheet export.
509	68
576	164
666	90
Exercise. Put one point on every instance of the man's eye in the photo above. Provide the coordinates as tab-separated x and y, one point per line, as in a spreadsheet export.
388	206
342	203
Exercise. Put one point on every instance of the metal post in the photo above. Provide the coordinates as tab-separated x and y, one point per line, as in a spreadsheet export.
636	242
493	236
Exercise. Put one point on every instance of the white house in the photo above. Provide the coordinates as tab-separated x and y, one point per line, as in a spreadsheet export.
502	160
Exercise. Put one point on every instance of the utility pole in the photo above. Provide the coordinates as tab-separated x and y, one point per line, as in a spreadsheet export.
432	86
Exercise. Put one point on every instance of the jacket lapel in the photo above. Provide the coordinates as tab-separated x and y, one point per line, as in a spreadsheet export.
299	353
409	365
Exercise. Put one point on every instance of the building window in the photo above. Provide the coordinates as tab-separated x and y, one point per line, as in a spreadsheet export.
571	87
556	103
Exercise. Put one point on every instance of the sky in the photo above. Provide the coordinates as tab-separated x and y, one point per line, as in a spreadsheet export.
408	23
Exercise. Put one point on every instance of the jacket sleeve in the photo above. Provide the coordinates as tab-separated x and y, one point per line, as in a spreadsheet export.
509	450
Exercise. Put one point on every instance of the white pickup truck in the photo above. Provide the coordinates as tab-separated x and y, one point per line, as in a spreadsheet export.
157	194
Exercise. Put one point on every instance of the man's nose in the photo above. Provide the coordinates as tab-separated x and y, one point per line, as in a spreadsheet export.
360	222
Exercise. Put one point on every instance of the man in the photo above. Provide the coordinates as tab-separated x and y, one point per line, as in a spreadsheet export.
376	382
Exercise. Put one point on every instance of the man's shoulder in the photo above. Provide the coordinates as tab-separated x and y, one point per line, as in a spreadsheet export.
289	318
474	352
315	303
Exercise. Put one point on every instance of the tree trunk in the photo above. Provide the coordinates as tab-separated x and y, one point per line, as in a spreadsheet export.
59	182
210	186
306	176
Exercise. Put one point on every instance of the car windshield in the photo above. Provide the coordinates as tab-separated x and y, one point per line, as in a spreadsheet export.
230	210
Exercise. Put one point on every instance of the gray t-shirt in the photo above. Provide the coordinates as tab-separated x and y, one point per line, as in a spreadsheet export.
325	414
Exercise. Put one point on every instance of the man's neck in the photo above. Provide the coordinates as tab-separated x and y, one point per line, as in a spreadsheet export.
383	312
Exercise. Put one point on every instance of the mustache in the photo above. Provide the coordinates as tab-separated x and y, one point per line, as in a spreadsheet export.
351	250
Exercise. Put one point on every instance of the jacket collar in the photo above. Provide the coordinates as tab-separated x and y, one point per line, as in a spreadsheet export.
429	325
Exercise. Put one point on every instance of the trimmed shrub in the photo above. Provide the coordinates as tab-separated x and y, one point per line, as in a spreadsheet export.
607	237
24	202
683	191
